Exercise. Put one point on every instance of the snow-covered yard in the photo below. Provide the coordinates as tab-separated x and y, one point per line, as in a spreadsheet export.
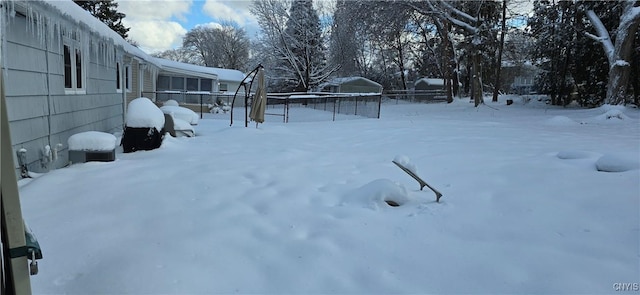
299	207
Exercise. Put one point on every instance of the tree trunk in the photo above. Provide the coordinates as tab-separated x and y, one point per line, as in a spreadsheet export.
477	80
619	55
496	87
448	56
620	70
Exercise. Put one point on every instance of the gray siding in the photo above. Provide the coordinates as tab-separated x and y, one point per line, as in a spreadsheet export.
39	111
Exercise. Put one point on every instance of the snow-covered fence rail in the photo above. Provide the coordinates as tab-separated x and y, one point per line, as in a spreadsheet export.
424	96
351	104
197	101
190	97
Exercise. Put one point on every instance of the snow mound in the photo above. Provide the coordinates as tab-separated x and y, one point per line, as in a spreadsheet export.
406	162
92	141
183	128
613	114
181	113
142	113
376	194
571	155
609	107
171	102
560	121
615	163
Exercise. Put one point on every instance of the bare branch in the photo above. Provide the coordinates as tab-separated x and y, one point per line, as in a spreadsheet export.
603	36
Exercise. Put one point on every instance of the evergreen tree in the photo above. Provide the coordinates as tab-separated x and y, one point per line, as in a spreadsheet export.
106	11
304	40
552	26
344	47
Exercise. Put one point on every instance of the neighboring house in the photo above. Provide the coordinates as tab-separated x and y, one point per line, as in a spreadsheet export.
185	83
519	78
351	85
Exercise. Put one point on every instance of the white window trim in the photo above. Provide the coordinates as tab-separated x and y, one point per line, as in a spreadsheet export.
74	46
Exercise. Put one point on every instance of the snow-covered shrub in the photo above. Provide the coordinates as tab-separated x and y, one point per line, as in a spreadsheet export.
171	102
181	113
144	126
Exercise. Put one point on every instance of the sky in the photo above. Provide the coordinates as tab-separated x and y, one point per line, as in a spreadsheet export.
160	25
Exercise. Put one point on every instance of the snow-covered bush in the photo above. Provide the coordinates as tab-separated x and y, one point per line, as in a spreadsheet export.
143	113
181	113
171	102
144	126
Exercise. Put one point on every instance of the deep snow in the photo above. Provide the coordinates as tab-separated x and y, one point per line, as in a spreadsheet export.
299	207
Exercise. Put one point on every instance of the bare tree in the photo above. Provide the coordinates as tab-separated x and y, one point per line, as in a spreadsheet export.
618	53
496	86
182	55
226	46
291	44
471	25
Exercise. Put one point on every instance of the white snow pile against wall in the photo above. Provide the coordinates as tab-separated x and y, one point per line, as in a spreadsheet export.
183	127
299	208
182	113
143	113
92	141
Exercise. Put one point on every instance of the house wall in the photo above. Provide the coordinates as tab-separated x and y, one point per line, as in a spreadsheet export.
232	86
39	111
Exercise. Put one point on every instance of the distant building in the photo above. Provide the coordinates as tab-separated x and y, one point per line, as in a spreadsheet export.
429	84
519	78
351	85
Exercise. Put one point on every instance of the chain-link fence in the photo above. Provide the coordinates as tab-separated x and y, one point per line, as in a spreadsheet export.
334	105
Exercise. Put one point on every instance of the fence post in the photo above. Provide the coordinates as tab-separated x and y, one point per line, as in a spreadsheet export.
334	109
356	111
200	105
380	104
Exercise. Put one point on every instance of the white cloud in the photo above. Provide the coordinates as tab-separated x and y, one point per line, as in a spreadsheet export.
235	11
156	35
152	24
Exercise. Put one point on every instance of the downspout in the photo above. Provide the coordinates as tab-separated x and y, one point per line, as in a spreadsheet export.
46	50
123	87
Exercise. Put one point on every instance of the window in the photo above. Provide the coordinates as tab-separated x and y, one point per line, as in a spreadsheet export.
192	84
118	82
164	83
205	85
78	69
223	87
74	67
67	67
177	83
127	78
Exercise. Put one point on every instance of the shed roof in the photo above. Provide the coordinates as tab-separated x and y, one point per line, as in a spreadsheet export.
342	80
431	81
